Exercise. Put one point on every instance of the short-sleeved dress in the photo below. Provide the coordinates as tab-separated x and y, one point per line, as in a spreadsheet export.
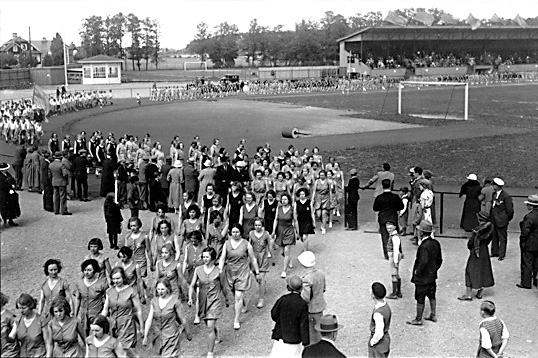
249	216
237	266
260	246
189	227
166	327
281	187
215	239
107	350
210	306
194	259
285	232
101	259
160	241
92	300
31	340
259	187
235	202
304	217
138	246
170	272
121	313
58	290
269	213
321	199
65	338
8	349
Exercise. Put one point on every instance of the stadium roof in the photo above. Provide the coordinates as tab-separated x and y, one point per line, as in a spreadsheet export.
100	59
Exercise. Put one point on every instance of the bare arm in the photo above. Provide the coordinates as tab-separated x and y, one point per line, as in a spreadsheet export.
253	259
41	302
149	321
138	309
149	254
222	258
104	312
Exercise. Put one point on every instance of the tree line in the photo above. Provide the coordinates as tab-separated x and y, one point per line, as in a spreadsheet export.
311	43
108	36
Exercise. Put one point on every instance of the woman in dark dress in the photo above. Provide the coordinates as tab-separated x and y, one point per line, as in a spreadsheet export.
471	189
304	211
478	272
285	230
235	202
269	210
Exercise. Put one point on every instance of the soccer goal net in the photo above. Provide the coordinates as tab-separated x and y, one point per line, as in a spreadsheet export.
436	100
195	65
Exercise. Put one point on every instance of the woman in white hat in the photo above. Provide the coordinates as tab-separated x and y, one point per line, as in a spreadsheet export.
471	189
175	177
207	176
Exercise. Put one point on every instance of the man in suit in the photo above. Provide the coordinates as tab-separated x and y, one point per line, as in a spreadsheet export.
353	196
223	178
313	292
528	243
80	173
387	205
290	314
502	212
427	263
143	182
122	179
328	327
59	176
20	155
379	177
190	174
48	191
165	184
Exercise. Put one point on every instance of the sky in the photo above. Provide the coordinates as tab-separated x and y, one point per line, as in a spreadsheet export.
178	18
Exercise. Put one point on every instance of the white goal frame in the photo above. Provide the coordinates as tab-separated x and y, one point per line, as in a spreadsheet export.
195	62
433	83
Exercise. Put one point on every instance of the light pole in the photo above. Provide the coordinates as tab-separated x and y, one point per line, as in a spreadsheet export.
65	64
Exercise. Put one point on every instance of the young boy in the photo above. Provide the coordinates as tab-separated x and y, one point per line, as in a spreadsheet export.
394	251
379	343
403	215
493	332
138	99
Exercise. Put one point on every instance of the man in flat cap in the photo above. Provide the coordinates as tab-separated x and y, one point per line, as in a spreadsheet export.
528	243
353	196
502	212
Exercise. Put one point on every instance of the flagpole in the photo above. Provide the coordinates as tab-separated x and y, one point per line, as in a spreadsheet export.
65	64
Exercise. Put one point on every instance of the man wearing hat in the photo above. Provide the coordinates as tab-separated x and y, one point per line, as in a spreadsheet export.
427	263
379	343
387	205
313	292
9	199
528	243
59	177
190	175
80	172
290	314
328	327
143	182
165	184
353	196
223	179
502	212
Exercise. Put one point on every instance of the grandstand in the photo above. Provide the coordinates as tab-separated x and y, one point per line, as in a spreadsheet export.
404	49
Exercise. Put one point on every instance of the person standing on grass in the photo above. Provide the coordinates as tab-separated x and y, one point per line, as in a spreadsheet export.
313	293
394	250
290	314
493	333
427	263
379	177
502	212
353	197
528	243
387	204
379	343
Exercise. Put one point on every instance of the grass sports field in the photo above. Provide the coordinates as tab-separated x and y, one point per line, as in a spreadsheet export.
500	140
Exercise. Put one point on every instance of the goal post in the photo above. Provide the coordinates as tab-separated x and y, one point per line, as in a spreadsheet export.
433	84
197	65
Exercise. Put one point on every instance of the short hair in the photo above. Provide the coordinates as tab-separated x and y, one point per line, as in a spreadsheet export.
121	271
386	166
60	302
238	227
161	206
214	214
170	249
166	282
321	171
385	183
190	195
303	190
237	184
287	196
488	307
168	225
136	220
268	170
271	192
93	263
251	194
195	235
4	299
97	242
26	300
218	197
195	208
404	189
212	252
52	262
418	170
209	185
125	251
102	322
258	171
379	291
280	173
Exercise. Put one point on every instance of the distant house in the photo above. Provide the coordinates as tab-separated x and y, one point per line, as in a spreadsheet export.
17	46
101	69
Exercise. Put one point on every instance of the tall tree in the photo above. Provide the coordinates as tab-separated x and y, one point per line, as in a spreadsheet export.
372	18
333	27
118	30
251	43
57	50
135	51
200	43
148	40
156	51
92	35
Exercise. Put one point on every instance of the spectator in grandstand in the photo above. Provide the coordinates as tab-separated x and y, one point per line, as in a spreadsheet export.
471	207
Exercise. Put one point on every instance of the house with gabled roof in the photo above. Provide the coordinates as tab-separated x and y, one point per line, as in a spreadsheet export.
18	46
